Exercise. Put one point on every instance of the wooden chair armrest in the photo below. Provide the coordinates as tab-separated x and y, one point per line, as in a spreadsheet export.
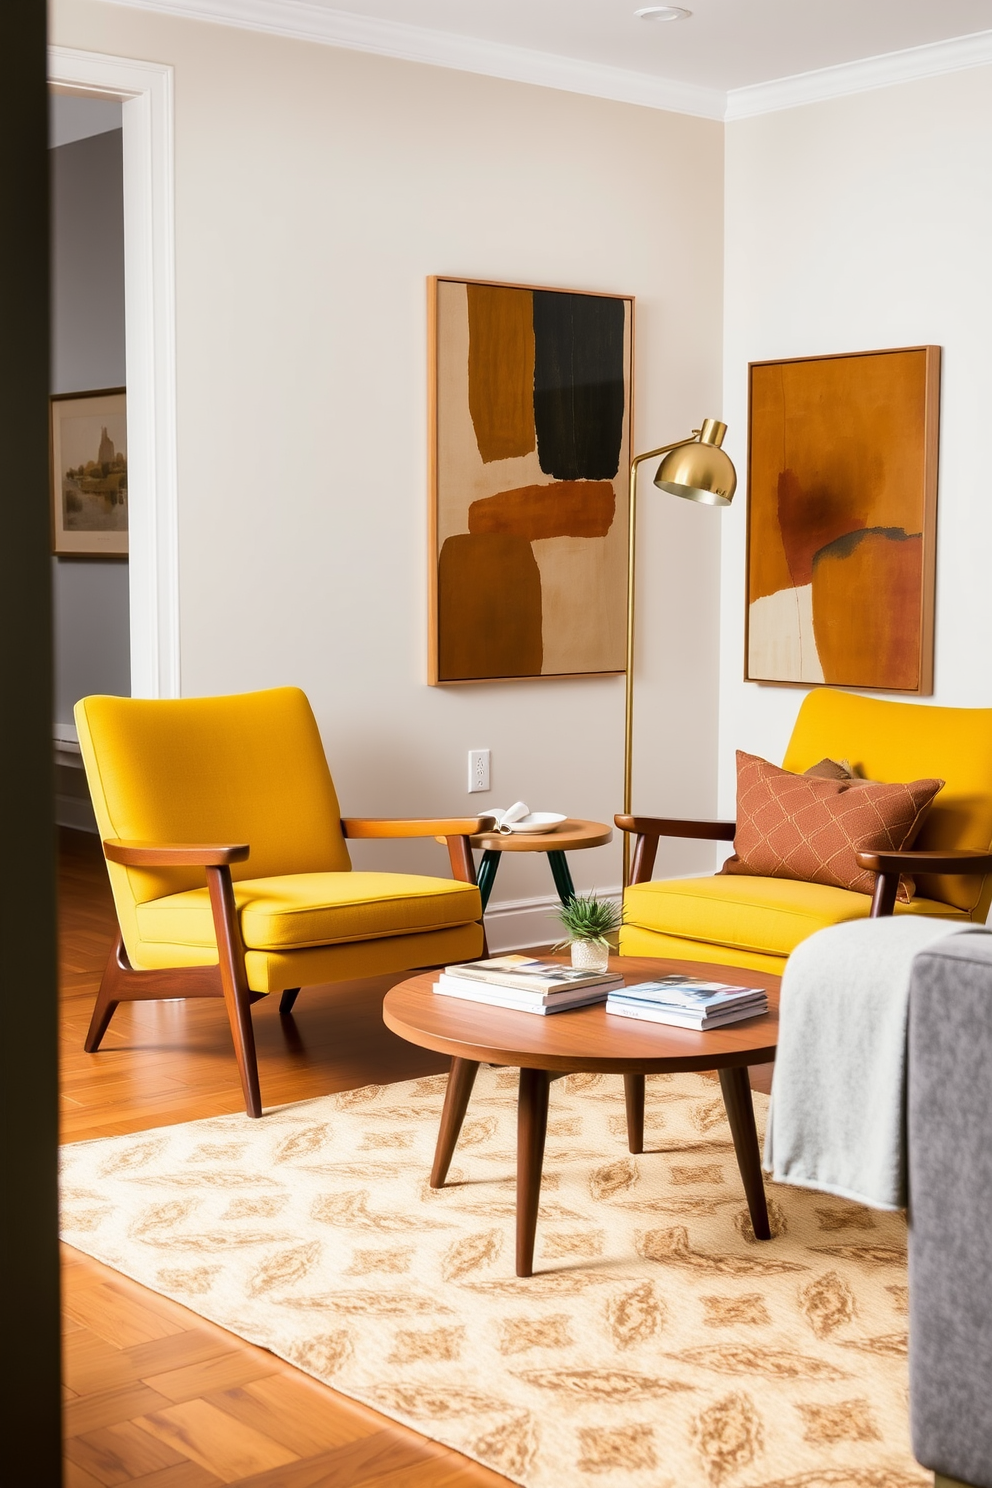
666	826
454	831
427	826
889	865
648	829
174	854
954	860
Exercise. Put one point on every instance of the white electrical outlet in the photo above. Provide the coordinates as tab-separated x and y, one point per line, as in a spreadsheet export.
478	770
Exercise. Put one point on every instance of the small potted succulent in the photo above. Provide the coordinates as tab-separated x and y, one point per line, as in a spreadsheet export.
589	923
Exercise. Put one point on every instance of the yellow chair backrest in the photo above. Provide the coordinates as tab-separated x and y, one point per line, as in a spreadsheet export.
248	768
909	741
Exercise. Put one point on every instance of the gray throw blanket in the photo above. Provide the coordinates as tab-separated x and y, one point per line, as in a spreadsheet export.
838	1110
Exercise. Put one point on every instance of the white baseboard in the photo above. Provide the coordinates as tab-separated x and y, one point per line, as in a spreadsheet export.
74	811
515	924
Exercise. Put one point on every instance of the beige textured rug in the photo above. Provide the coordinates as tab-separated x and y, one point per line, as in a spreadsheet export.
658	1346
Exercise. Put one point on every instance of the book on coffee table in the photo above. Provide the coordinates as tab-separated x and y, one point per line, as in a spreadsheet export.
675	1019
529	974
687	1002
521	1001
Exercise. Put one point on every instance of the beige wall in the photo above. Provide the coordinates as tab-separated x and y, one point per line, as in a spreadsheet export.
316	189
859	223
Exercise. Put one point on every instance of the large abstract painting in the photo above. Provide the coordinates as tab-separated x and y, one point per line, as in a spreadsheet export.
530	445
842	506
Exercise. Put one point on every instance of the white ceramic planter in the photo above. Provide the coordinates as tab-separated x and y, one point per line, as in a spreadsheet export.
588	955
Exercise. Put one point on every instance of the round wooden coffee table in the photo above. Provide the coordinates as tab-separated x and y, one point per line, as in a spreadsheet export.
586	1039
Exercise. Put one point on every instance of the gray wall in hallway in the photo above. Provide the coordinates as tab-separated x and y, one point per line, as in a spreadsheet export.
92	628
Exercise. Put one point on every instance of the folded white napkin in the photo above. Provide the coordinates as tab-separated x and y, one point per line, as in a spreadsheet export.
514	813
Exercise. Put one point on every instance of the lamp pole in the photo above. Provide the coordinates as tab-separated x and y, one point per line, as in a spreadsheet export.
707	476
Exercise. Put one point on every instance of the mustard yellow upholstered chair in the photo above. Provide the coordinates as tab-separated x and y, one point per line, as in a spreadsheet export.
756	922
229	863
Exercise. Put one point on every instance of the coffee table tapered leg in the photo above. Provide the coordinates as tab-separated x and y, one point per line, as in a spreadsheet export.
633	1094
532	1128
456	1097
740	1113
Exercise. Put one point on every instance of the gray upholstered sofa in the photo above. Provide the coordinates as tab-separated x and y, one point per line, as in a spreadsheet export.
950	1175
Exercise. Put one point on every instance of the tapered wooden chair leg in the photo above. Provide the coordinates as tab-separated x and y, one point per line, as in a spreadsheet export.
104	1010
243	1034
287	1001
107	1001
234	981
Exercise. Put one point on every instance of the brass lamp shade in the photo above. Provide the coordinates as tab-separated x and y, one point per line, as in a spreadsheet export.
700	470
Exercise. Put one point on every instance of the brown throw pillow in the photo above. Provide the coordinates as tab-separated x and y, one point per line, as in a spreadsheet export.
828	769
809	828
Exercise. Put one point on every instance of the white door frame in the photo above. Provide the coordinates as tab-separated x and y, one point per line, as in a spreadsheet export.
145	89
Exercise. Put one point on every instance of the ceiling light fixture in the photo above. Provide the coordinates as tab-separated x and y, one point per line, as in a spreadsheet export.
663	13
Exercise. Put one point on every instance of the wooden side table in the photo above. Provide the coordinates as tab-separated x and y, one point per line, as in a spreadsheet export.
569	836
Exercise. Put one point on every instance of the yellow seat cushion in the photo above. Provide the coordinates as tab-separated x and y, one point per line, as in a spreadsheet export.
757	916
314	909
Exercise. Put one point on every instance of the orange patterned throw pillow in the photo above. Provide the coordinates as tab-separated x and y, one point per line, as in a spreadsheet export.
809	828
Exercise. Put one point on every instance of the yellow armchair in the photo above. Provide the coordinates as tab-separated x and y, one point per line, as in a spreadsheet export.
229	864
756	922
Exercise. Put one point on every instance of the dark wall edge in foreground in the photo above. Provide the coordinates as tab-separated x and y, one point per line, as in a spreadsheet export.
30	1423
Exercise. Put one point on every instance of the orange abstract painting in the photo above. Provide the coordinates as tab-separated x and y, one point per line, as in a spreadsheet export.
842	496
530	447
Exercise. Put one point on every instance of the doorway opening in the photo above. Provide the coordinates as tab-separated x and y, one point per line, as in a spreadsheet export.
91	618
91	87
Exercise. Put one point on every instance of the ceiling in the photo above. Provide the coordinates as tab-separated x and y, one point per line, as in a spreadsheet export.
728	59
725	44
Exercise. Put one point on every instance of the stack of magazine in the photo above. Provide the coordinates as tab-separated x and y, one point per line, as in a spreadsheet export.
687	1002
525	985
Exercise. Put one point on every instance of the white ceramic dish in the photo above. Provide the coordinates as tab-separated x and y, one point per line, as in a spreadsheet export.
538	821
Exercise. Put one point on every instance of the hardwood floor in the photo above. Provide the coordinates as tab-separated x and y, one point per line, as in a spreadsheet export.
155	1395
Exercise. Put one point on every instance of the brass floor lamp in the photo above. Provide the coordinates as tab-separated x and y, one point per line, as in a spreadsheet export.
698	469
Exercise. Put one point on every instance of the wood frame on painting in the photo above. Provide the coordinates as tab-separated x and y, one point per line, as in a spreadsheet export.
527	505
842	520
89	492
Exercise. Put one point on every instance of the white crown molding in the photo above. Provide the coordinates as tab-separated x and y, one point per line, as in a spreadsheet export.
303	20
308	22
861	77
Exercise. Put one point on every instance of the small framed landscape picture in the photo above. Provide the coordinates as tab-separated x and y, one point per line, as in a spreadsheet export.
89	474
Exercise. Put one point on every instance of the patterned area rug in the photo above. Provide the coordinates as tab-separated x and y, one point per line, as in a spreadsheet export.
657	1345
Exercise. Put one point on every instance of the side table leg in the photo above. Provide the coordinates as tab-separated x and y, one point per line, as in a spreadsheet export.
562	876
532	1128
737	1101
487	874
456	1097
633	1094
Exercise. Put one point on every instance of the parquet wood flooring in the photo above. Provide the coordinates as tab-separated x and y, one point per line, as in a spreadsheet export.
154	1395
